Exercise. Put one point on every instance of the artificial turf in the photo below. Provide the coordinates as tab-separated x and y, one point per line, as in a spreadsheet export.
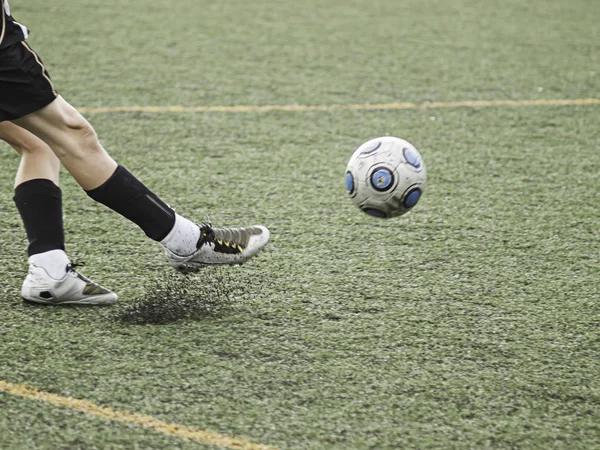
471	322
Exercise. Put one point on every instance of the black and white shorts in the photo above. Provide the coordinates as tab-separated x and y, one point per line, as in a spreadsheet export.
25	85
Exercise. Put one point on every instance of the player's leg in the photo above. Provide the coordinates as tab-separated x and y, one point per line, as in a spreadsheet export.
187	245
73	141
37	159
39	201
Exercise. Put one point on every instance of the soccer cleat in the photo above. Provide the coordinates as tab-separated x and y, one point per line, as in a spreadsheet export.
72	289
232	246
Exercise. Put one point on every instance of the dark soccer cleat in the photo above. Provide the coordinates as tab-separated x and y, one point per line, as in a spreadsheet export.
72	289
218	246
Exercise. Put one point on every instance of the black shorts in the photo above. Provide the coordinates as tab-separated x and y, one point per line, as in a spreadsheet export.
25	85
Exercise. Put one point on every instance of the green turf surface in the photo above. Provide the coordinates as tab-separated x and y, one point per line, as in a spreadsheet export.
471	322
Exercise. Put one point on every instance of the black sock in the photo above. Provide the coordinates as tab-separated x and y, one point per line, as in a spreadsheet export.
39	202
128	196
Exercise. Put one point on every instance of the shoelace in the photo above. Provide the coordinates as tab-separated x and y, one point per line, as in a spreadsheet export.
71	268
74	265
207	235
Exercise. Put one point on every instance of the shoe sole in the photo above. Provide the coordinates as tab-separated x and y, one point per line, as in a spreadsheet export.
89	301
197	267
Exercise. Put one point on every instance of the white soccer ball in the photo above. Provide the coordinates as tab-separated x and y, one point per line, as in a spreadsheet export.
385	177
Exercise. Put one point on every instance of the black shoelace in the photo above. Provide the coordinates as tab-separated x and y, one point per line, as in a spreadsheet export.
207	235
74	265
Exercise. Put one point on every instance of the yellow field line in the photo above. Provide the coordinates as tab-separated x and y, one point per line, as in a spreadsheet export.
359	107
139	420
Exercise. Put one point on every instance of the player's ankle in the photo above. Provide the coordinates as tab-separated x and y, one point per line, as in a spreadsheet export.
183	237
54	262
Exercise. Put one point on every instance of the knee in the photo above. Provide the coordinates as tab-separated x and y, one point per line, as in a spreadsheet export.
26	144
79	128
31	146
79	138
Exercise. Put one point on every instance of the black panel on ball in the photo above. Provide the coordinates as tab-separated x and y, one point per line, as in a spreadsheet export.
375	213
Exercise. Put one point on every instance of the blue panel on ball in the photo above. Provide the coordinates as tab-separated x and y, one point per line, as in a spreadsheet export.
349	182
382	179
412	157
375	213
412	198
371	148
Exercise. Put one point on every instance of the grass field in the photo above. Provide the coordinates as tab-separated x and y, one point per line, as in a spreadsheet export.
472	322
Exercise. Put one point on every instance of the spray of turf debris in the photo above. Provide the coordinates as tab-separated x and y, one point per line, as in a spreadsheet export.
176	297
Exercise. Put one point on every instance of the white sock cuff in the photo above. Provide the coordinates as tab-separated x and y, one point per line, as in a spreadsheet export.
182	239
172	232
54	262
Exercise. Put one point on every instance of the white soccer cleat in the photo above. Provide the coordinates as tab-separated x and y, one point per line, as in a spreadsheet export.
72	289
218	246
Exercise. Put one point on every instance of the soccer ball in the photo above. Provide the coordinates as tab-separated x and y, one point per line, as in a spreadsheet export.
385	177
